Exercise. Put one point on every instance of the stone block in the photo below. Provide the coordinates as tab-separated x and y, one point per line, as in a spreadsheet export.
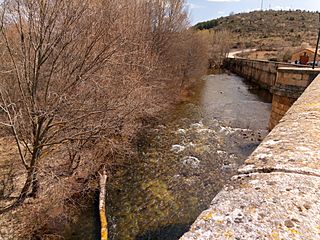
262	206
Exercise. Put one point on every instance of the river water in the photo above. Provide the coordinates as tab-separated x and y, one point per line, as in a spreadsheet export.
183	162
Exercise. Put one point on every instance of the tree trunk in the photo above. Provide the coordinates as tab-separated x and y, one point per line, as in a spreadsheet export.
35	185
102	206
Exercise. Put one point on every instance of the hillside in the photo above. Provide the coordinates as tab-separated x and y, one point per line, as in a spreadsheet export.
268	29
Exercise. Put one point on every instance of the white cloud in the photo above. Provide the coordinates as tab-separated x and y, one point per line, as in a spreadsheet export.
223	0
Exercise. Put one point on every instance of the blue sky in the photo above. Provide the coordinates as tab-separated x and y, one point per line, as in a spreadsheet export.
202	10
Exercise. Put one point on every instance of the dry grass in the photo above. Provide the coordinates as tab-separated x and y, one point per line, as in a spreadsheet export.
260	55
12	174
269	30
11	178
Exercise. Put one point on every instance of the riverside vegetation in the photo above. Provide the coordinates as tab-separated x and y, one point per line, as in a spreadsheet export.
78	82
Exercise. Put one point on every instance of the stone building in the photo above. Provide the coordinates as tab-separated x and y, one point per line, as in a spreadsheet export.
304	56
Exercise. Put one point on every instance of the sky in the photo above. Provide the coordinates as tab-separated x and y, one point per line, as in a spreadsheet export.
202	10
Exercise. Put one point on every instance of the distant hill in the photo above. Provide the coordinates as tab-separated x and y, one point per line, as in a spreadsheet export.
268	29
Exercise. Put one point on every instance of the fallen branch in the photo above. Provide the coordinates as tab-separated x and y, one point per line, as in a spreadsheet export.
102	206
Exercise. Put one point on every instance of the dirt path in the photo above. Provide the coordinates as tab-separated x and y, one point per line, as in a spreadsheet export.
235	53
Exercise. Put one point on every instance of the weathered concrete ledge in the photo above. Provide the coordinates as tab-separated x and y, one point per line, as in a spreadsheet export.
276	194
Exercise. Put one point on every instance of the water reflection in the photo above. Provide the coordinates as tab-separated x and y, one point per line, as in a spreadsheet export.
235	102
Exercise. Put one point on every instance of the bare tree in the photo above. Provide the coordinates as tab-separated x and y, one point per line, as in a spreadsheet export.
219	47
50	93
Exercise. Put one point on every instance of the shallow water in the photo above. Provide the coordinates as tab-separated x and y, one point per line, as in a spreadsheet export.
184	162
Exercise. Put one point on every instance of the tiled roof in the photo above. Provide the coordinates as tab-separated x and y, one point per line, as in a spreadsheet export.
307	48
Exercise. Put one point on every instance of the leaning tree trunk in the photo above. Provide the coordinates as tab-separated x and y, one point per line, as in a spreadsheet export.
102	206
35	185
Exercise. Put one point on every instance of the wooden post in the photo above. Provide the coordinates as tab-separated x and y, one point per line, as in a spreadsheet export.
316	52
102	206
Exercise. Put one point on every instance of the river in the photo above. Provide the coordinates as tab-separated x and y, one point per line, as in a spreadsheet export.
183	162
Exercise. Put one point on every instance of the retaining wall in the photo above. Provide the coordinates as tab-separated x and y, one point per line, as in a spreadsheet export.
261	72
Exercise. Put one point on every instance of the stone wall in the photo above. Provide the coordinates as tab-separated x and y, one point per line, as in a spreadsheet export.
261	72
276	194
280	105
